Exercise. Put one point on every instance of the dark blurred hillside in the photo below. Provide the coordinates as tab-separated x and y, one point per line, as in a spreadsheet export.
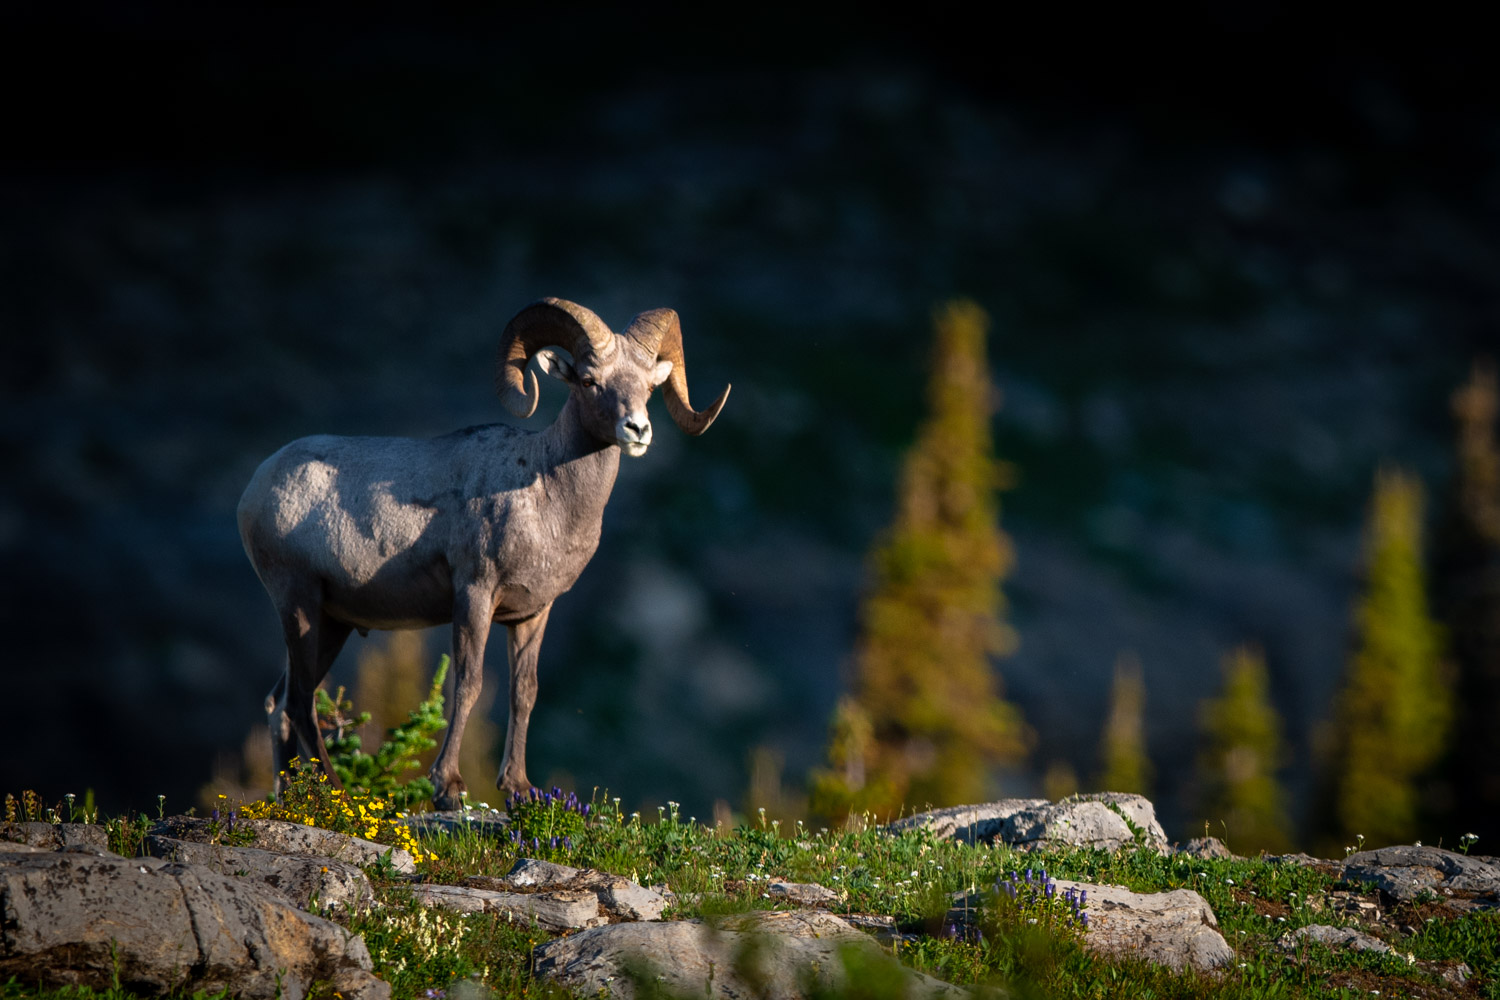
1227	278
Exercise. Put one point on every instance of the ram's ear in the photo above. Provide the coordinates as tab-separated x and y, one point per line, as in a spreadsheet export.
555	364
660	372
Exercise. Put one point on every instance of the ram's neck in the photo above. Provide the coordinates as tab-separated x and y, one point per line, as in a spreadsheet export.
580	470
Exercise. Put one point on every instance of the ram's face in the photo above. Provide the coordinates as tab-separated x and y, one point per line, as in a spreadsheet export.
612	391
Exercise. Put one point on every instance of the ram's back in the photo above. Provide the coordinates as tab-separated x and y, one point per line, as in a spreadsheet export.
375	523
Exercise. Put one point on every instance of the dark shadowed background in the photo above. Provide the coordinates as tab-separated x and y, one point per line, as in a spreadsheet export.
1234	261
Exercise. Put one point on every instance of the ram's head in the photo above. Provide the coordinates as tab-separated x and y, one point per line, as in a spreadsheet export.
610	374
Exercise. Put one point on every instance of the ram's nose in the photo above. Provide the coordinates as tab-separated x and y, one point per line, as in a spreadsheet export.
634	434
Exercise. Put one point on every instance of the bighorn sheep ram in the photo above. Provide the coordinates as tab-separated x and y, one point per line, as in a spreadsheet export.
488	524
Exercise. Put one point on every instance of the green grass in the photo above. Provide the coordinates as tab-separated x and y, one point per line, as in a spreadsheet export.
910	877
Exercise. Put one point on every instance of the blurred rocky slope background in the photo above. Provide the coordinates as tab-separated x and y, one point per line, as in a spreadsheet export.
1228	276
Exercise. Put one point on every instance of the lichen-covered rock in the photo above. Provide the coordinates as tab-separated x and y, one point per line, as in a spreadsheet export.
79	919
304	882
775	954
1100	819
537	874
980	823
1333	937
57	836
1405	872
1176	928
292	838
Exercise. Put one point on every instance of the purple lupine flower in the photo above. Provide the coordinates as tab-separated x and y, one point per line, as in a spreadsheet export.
216	814
568	843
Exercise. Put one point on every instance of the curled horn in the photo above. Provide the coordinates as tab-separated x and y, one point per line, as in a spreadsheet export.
547	323
659	331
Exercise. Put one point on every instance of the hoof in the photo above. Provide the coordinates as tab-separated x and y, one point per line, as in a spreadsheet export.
509	788
449	800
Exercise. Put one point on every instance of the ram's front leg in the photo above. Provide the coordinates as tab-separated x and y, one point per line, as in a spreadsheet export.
523	647
471	629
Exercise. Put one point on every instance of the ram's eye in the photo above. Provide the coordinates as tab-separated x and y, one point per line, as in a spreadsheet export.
587	382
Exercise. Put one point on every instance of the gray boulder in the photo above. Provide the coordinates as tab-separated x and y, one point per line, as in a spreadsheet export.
1095	820
980	823
57	836
292	838
755	955
1405	872
304	882
1176	928
1333	937
78	919
1206	847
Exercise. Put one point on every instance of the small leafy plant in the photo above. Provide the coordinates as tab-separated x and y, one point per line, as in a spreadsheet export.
546	822
1033	897
382	776
225	827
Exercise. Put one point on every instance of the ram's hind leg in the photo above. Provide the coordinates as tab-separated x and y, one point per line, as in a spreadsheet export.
283	743
313	641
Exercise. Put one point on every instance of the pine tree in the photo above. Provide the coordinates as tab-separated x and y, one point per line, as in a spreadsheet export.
1125	765
1466	586
925	721
1240	797
1391	715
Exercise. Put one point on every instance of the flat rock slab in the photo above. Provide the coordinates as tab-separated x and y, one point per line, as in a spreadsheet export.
776	956
11	847
1094	820
292	838
1405	872
1176	928
620	897
304	882
561	910
57	836
77	919
980	823
481	822
803	893
1333	937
